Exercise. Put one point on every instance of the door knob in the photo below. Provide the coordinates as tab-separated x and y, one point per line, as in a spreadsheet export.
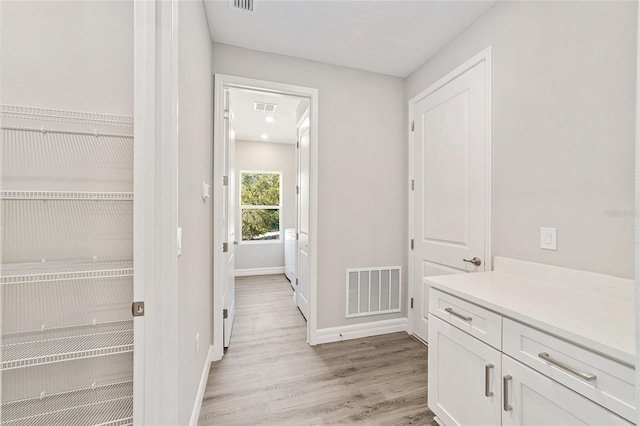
476	261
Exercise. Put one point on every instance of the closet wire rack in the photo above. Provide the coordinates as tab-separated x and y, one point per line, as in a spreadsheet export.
39	410
66	195
98	340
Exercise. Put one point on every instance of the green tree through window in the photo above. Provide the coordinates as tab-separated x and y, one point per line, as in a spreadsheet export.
260	206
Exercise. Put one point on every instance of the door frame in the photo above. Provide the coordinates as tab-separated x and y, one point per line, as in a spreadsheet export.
222	82
305	116
484	56
155	212
637	220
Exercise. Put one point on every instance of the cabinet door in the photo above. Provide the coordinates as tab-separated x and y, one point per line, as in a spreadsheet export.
464	377
534	399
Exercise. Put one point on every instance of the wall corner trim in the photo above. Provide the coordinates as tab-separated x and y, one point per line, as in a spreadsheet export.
197	405
357	331
259	271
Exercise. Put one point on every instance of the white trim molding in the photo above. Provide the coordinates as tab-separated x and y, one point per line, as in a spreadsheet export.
357	331
197	405
223	82
259	271
637	222
155	214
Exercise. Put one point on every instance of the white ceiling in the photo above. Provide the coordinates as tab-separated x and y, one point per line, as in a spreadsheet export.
387	37
250	124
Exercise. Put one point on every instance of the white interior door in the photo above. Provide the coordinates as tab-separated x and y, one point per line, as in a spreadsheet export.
229	207
450	189
302	287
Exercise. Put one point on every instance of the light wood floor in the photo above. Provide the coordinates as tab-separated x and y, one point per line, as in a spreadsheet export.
269	375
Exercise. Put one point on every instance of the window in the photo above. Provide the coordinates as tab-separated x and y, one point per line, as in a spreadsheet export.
260	205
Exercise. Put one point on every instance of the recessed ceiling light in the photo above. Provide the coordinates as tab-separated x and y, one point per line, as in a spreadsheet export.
263	136
269	119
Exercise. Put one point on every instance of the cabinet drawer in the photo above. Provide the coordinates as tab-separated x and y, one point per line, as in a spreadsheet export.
478	322
599	378
531	398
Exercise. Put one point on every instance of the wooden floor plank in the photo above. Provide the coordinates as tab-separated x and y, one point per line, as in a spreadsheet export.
270	375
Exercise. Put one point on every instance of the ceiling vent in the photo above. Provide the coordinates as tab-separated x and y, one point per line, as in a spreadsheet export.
261	106
242	5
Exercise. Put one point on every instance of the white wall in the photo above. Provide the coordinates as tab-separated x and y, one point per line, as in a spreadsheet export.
266	156
74	55
362	180
563	110
194	215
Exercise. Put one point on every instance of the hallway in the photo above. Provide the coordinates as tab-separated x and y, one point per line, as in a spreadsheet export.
269	375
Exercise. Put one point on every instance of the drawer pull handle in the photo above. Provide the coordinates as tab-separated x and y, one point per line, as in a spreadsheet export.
487	384
585	376
454	313
505	393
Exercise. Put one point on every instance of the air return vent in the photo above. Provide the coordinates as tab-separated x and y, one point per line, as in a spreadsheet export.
262	106
373	291
242	5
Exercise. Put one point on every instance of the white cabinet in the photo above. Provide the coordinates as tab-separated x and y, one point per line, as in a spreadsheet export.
528	377
464	377
531	398
594	376
473	319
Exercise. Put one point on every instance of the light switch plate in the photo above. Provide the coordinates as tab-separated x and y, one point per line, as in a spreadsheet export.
548	238
205	191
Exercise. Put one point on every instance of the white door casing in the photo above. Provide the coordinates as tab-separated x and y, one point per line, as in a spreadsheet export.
221	83
228	221
302	247
450	173
156	380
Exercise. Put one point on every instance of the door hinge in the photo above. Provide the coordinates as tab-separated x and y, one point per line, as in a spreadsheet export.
297	144
225	314
297	189
412	126
296	281
413	184
297	236
225	180
137	309
225	247
412	244
412	303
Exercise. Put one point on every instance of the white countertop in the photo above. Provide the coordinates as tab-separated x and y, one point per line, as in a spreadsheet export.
602	324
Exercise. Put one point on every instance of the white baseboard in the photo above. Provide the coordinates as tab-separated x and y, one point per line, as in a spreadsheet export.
259	271
203	384
356	331
602	284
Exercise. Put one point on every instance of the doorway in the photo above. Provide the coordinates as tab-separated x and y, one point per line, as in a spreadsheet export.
250	231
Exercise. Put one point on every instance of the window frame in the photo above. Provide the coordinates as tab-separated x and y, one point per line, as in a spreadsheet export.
242	207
